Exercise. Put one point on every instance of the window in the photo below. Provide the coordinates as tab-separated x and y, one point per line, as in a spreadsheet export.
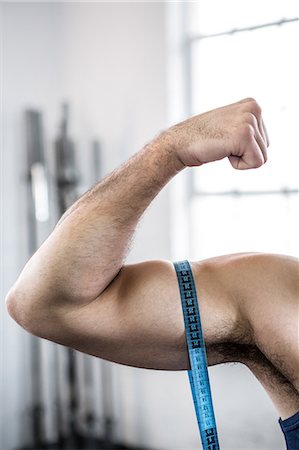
250	52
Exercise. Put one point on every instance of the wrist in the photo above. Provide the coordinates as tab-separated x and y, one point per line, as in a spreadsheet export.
185	147
167	145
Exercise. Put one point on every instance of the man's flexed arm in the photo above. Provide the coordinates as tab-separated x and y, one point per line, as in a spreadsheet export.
87	249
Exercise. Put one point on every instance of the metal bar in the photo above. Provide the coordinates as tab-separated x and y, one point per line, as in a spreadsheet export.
107	402
238	193
90	418
35	155
241	30
96	161
66	182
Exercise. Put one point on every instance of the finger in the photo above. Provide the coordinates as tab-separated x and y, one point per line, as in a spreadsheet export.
257	112
260	136
261	143
266	133
263	131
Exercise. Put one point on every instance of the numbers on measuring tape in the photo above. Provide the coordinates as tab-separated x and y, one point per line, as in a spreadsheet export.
198	374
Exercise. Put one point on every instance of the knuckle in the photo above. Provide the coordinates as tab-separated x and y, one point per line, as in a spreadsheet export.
253	106
256	108
246	131
250	119
248	99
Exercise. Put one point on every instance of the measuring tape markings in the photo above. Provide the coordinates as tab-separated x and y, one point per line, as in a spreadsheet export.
198	375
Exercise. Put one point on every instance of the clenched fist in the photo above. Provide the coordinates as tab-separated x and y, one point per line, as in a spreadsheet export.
236	131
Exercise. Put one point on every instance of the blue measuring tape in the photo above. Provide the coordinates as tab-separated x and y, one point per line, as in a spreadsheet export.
198	375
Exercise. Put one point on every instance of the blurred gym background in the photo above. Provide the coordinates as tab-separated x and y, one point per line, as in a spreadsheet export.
83	86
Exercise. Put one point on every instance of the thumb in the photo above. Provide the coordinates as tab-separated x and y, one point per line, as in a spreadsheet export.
252	158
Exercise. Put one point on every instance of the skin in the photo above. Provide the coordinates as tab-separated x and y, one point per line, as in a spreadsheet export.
76	289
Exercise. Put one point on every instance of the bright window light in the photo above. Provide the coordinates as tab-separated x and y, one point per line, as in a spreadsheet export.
228	224
215	16
258	61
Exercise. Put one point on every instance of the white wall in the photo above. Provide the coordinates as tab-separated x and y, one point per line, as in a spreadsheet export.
30	77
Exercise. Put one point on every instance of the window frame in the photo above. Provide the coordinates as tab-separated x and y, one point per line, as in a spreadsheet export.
186	40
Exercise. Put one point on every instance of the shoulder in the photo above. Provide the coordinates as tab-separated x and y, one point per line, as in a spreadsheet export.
251	279
240	268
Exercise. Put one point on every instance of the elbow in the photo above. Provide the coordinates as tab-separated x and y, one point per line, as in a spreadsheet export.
11	305
35	314
21	311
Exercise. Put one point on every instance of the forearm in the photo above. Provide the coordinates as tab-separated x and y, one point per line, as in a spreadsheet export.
88	247
86	251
